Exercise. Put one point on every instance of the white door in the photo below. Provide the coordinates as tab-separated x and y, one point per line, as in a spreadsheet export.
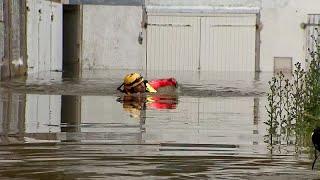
32	36
44	36
173	43
215	43
56	36
228	43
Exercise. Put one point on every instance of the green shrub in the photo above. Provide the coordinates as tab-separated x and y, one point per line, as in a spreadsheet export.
294	103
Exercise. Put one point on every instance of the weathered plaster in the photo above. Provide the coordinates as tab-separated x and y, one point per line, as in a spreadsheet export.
110	37
281	34
113	42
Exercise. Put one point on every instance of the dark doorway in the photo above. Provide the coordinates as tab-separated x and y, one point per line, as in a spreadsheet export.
72	35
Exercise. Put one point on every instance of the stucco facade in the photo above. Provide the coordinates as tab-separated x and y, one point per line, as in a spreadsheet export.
281	34
113	42
110	37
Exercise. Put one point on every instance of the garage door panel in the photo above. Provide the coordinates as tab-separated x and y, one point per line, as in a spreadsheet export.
227	44
239	20
215	43
173	43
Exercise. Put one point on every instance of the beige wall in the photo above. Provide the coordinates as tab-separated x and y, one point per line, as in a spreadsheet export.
113	44
281	34
110	37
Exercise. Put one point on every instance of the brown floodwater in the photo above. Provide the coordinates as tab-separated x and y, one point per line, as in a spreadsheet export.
211	127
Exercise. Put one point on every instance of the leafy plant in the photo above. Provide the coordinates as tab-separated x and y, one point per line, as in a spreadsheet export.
294	102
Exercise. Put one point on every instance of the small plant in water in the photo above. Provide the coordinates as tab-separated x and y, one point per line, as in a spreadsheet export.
294	103
272	121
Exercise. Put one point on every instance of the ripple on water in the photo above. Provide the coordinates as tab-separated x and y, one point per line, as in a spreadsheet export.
74	128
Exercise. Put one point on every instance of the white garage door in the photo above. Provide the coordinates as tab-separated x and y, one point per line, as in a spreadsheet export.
173	43
228	43
223	42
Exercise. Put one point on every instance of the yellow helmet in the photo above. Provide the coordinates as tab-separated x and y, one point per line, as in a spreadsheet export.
132	80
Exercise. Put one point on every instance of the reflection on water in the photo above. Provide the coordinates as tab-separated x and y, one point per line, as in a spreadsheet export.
212	127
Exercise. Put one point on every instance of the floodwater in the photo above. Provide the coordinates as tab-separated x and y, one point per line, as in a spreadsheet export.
211	127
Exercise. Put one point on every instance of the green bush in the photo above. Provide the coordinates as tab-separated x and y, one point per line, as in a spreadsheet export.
294	103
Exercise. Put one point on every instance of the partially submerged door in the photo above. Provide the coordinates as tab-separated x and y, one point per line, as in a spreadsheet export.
173	43
213	42
228	43
44	36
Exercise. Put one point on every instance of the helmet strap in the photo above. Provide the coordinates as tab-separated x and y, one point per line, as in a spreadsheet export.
119	88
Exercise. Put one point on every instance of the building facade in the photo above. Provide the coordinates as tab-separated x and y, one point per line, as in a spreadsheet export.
206	35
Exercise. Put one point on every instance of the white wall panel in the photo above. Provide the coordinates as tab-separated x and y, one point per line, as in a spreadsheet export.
56	36
32	36
173	43
44	36
228	43
223	42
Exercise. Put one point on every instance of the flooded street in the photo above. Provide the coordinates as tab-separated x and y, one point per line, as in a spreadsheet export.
211	127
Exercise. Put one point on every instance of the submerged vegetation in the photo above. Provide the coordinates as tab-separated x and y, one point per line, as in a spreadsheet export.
294	102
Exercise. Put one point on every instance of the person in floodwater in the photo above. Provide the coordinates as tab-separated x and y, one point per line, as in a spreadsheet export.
134	83
134	86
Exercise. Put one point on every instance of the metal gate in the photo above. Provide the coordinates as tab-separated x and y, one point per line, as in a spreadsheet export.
221	42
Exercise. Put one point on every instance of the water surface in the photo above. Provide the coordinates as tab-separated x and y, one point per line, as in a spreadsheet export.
76	128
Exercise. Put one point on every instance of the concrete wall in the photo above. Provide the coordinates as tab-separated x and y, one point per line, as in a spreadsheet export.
110	33
113	42
110	37
281	34
13	59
